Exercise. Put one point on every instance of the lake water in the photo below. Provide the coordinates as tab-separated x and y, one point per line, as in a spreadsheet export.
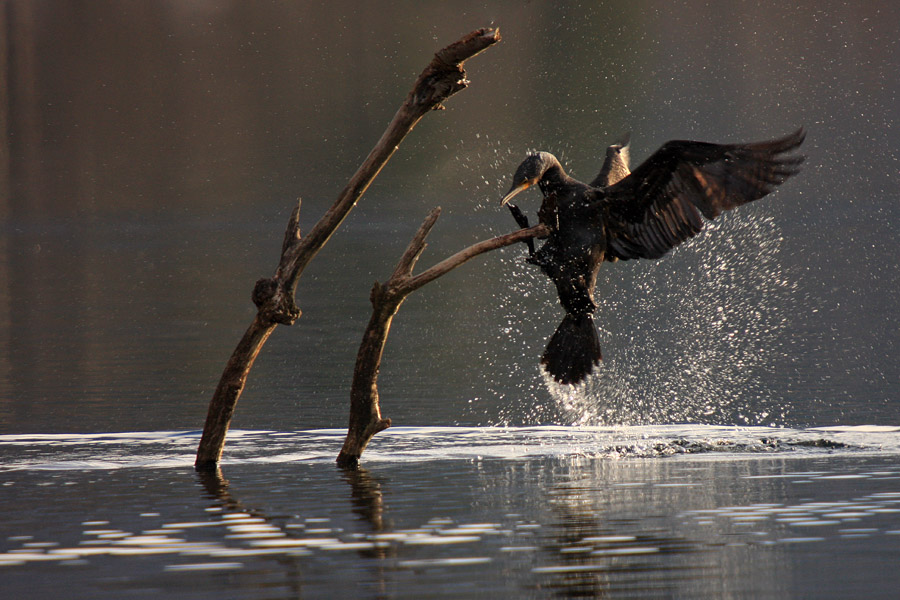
739	440
537	512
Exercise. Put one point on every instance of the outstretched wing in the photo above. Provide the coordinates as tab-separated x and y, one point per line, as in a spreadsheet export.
659	205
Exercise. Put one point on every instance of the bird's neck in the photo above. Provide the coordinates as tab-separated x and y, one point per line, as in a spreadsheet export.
618	170
553	178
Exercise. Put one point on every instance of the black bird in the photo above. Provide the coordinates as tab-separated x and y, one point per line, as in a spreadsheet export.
615	167
642	214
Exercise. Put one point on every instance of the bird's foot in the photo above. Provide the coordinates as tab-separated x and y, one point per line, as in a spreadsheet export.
538	259
522	222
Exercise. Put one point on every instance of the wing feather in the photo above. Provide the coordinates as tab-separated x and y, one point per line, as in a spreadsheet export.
658	206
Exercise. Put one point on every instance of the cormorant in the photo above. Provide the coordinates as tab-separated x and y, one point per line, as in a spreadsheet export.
641	214
615	167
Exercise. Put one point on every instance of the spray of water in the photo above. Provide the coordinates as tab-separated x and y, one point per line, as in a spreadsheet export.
692	338
689	338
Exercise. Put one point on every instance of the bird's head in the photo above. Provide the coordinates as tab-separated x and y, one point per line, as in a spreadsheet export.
619	150
530	172
616	165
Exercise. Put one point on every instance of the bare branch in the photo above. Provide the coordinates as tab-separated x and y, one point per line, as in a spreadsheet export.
416	246
443	77
292	232
274	297
221	409
365	407
448	264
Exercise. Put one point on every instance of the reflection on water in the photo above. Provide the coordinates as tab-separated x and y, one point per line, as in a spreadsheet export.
813	512
606	544
368	500
155	150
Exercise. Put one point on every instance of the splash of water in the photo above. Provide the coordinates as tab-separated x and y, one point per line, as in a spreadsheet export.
691	337
706	333
688	338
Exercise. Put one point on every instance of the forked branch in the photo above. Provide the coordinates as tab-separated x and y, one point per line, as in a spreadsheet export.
365	407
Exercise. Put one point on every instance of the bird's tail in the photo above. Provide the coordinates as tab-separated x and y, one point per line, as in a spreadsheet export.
573	350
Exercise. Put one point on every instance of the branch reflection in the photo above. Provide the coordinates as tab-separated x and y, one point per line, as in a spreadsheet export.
368	501
275	531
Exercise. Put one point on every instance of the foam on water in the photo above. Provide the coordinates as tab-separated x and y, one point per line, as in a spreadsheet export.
85	452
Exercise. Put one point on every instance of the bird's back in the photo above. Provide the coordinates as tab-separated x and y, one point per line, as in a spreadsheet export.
573	253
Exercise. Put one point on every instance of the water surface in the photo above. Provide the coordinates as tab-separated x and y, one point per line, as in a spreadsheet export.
151	156
538	512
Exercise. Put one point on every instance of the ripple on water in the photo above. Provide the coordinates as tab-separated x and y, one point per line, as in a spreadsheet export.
231	536
827	515
260	539
410	444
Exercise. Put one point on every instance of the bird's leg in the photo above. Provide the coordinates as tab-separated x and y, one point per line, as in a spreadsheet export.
548	213
522	221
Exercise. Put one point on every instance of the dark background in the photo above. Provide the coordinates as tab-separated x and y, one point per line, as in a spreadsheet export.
153	152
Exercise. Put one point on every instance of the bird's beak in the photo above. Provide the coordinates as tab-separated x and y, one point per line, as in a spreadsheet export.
623	141
515	190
